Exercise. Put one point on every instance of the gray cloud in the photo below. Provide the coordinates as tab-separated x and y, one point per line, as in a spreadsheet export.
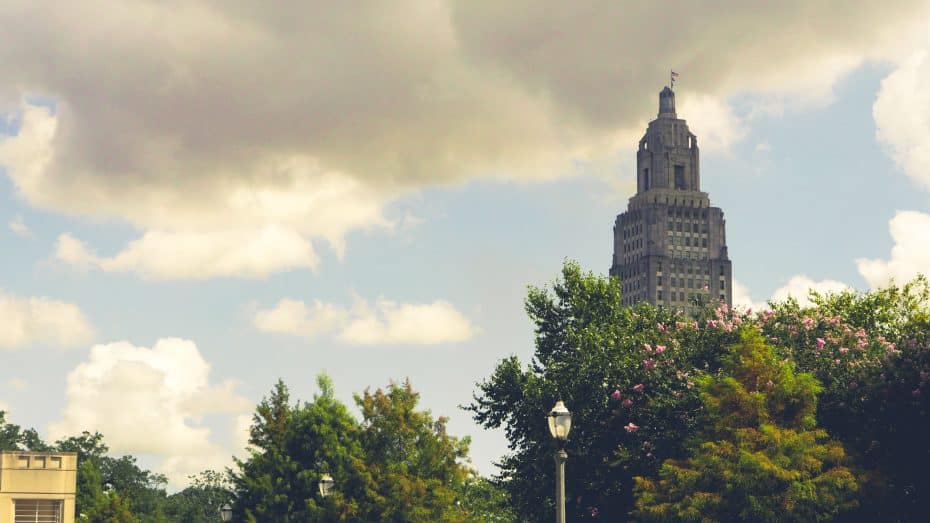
171	114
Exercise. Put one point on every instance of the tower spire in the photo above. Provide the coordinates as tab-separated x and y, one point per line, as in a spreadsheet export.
667	102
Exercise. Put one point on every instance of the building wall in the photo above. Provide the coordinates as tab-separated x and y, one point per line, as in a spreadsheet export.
670	244
37	475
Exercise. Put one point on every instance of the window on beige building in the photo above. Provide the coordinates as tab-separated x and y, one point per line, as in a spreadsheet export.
37	511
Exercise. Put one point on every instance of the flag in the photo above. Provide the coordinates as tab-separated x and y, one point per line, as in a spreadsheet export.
674	74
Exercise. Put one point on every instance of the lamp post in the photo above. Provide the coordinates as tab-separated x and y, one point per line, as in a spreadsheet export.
226	513
326	485
560	423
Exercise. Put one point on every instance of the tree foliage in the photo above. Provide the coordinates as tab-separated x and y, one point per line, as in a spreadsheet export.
758	455
396	464
629	376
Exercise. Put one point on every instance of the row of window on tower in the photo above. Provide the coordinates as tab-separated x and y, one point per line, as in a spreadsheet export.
679	178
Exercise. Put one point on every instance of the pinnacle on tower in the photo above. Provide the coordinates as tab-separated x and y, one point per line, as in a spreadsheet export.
667	102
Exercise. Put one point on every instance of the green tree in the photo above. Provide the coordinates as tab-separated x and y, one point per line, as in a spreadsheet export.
626	373
758	455
14	437
110	508
201	500
415	465
481	499
397	464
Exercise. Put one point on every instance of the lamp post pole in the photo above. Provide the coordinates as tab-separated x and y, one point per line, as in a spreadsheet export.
560	458
560	423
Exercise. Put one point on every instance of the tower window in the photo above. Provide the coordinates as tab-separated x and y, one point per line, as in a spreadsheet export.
646	179
679	176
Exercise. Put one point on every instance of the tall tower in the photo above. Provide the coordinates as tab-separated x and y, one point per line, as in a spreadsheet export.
670	245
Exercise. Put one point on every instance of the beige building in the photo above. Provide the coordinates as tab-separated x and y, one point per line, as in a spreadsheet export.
37	487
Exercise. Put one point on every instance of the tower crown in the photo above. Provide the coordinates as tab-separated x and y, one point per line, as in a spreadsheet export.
667	102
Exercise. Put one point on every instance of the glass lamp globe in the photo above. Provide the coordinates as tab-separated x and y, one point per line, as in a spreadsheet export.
560	421
226	512
326	485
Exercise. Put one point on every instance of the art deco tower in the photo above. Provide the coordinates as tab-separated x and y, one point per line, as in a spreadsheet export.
670	245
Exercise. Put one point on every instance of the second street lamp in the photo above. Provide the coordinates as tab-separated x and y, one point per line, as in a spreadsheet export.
326	485
560	423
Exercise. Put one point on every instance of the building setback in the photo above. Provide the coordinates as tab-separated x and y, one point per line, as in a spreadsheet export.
670	245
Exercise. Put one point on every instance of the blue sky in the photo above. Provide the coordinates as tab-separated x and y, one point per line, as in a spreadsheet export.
181	235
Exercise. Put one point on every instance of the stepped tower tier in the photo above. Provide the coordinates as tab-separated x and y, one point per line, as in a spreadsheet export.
670	244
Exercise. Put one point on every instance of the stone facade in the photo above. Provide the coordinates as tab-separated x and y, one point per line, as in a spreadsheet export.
37	487
670	245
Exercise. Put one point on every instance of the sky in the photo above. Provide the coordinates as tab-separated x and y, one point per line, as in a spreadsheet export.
199	198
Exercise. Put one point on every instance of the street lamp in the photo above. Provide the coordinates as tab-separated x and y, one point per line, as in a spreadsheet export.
560	423
326	485
226	513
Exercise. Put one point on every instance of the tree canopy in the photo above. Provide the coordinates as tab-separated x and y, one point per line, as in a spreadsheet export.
758	455
632	378
395	464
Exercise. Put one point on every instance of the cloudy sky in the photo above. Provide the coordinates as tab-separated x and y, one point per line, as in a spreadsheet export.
200	197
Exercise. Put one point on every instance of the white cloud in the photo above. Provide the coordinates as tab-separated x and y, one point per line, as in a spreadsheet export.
294	317
902	116
713	121
151	401
223	119
19	227
41	320
742	299
383	323
799	285
910	255
197	255
389	322
18	384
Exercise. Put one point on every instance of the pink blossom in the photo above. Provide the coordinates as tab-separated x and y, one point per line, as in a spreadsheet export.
647	347
660	349
860	333
749	311
627	403
843	350
862	344
712	324
631	427
649	363
820	343
836	361
638	387
615	394
661	327
808	323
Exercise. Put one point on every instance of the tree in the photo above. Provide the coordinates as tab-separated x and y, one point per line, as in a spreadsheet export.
484	500
758	455
200	502
871	352
627	375
14	437
397	464
415	465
